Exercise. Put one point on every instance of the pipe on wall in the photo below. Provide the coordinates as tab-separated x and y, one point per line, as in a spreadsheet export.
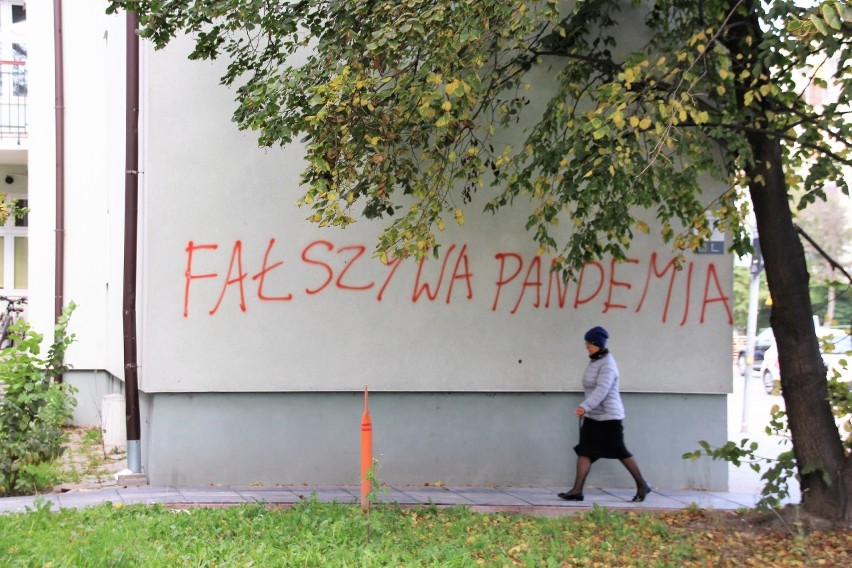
59	118
131	206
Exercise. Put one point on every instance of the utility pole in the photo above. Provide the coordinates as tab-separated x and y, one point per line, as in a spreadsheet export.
751	328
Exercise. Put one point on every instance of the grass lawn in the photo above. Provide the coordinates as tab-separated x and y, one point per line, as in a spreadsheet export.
317	534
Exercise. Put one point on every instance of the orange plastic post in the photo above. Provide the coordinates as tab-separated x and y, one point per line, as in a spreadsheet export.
366	453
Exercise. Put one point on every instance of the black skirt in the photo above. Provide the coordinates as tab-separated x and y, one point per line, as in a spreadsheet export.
602	439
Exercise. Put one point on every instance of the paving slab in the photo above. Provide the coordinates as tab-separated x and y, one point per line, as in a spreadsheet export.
213	495
436	496
82	499
489	496
24	503
394	495
278	495
327	493
544	496
150	495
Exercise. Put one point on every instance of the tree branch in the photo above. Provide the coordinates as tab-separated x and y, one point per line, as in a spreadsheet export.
825	255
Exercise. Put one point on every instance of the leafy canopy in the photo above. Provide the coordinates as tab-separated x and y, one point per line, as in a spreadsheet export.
406	107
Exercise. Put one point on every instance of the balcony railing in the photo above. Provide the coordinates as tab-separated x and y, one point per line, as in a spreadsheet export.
13	99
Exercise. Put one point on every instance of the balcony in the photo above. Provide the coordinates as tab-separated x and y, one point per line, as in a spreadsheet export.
13	101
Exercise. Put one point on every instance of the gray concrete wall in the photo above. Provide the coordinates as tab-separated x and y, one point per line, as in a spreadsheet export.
454	438
91	387
523	439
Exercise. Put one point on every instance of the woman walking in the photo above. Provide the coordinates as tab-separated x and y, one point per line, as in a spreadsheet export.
601	413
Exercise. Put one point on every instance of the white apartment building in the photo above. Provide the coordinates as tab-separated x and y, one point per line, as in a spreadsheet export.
256	332
13	145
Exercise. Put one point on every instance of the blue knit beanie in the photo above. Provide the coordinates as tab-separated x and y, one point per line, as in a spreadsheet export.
597	336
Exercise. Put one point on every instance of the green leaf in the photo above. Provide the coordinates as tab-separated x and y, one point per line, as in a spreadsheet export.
819	24
830	15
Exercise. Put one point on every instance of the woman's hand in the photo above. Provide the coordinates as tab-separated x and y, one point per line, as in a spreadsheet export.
580	412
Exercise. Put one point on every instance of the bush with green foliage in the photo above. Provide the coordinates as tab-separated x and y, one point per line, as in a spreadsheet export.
781	469
34	407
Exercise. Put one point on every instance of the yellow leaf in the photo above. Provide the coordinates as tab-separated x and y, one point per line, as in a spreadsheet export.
459	217
447	105
645	123
701	117
451	87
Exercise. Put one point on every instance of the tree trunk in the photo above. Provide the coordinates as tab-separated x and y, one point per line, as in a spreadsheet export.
825	472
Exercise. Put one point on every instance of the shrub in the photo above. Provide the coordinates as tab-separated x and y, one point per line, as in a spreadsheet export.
34	407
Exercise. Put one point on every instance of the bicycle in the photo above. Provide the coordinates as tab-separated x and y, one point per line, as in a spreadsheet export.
14	307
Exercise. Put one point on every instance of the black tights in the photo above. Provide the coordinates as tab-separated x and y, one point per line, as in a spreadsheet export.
584	464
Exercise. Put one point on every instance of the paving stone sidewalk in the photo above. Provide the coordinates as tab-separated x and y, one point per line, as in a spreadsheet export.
530	500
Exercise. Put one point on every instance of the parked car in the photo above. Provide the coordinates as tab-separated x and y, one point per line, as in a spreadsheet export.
835	345
762	341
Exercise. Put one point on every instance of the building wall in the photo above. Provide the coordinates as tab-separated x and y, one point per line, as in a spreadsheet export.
522	439
241	293
93	178
91	388
465	389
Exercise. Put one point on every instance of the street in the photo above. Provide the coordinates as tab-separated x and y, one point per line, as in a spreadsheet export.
752	425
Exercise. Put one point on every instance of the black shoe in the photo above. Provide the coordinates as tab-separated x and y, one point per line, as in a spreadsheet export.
570	496
639	498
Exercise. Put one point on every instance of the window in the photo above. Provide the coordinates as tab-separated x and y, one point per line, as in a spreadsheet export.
14	252
13	69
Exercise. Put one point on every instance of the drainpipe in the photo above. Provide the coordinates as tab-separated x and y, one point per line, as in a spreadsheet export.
131	201
59	113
